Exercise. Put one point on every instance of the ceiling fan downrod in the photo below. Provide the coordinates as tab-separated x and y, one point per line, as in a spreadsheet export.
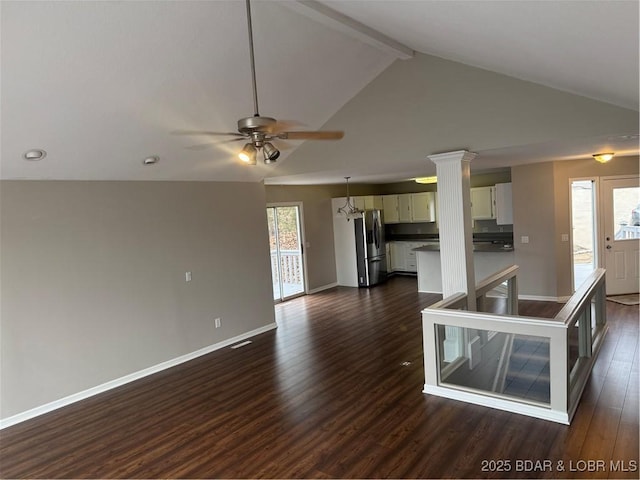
253	62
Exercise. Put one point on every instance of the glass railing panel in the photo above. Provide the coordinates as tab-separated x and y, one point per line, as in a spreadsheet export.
497	363
594	316
573	345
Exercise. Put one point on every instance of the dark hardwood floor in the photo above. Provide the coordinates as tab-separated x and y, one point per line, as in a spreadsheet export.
335	391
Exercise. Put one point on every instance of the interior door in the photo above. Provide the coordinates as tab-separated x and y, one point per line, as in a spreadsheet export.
285	241
620	205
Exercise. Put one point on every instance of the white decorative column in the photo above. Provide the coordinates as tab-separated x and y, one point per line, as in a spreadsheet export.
456	237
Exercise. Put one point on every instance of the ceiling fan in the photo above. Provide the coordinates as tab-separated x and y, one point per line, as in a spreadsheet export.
259	130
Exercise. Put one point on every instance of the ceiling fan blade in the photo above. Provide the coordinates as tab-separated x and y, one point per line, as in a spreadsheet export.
284	125
281	144
317	135
203	132
203	146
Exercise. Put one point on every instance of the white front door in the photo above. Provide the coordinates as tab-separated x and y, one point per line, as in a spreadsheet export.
621	231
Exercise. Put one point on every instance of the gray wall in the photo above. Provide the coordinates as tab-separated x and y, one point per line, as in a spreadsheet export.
534	216
562	172
428	105
541	211
318	224
93	279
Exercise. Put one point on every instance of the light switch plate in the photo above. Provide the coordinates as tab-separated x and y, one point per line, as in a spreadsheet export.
524	239
565	237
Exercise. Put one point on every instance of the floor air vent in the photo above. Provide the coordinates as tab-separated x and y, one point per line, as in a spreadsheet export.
242	344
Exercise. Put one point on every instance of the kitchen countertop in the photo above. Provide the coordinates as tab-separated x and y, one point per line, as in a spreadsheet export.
477	247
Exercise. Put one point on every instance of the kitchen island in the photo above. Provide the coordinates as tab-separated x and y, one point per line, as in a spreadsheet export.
488	258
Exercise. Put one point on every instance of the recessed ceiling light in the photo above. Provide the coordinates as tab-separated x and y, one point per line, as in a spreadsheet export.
34	154
151	160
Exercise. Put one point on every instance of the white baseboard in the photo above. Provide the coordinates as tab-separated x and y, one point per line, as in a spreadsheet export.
76	397
324	287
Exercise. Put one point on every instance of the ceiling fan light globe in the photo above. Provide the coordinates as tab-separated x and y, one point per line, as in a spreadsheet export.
270	152
248	154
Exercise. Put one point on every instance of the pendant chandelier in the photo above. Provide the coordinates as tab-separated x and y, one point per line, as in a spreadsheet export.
349	210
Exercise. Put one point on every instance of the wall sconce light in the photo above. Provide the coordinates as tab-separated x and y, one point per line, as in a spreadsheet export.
603	157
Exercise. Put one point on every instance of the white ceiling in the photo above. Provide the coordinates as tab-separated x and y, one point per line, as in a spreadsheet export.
584	47
101	85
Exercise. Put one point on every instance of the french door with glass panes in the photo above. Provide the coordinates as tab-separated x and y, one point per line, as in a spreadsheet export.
285	242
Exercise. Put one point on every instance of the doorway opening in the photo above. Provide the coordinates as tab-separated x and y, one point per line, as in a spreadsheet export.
285	245
583	229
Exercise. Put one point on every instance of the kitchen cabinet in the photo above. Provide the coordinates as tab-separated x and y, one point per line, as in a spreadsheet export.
388	255
403	256
368	202
423	207
397	250
410	264
492	203
504	204
409	207
390	208
404	208
483	203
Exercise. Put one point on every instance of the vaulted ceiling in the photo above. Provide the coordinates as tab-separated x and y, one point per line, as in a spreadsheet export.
102	85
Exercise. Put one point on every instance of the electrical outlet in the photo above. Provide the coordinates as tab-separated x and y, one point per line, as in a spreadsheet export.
218	322
187	276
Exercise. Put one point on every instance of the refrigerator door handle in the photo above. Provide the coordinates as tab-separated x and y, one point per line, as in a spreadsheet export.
376	233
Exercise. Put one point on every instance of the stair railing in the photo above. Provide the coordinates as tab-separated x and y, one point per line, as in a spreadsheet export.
572	340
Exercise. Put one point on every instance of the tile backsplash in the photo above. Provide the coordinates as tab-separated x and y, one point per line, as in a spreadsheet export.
479	226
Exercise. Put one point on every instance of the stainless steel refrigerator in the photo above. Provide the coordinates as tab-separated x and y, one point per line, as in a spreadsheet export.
370	248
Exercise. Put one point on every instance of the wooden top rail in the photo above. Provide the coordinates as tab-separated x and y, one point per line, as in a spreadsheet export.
457	300
492	281
583	295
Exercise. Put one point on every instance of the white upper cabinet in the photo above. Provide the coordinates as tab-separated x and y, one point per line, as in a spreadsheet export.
373	202
409	207
504	204
404	208
368	202
423	207
390	208
482	203
492	203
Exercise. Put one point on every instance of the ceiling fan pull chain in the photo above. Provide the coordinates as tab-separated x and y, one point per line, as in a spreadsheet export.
253	63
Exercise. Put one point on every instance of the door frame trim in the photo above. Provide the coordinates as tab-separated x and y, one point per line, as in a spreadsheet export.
305	281
601	208
596	223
